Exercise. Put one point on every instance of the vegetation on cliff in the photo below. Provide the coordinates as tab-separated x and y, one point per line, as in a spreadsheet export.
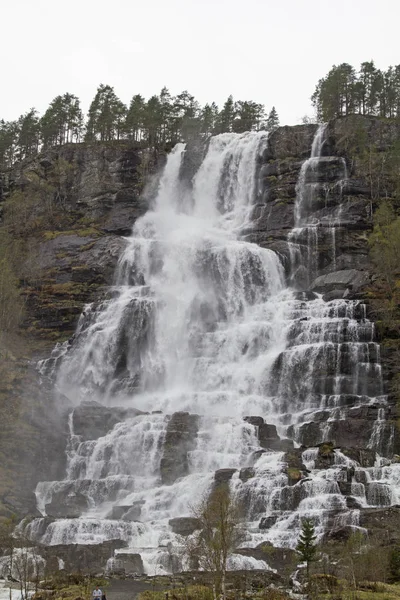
161	120
369	91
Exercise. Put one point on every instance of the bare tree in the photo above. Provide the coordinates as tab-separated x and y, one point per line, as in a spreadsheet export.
220	533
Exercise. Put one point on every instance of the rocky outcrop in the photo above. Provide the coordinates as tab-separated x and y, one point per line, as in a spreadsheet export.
179	440
92	420
90	559
125	565
184	525
66	506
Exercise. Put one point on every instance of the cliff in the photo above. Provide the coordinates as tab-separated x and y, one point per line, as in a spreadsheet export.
65	214
78	202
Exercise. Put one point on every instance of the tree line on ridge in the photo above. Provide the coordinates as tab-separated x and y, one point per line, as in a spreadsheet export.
368	91
160	121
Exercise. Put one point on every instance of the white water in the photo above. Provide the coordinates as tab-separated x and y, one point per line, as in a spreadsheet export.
201	321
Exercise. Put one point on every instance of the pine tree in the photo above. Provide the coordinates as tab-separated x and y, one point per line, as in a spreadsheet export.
28	134
272	120
134	118
226	117
62	122
208	118
8	143
248	116
106	117
306	546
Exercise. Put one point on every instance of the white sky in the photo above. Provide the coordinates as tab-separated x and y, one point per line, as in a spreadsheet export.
269	51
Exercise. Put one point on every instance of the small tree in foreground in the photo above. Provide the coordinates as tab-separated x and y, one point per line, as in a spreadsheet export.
306	545
219	535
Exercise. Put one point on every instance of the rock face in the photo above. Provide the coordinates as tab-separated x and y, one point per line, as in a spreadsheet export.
87	559
179	440
92	420
184	525
102	185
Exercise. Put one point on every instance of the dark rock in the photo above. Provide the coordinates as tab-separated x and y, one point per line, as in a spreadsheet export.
184	525
326	456
256	421
92	420
345	488
130	512
223	475
125	564
267	522
336	280
179	440
340	534
352	503
365	457
87	559
68	505
280	559
246	473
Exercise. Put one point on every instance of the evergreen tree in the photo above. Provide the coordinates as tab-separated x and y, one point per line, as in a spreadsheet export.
166	114
8	143
306	546
106	117
248	116
272	120
226	117
208	118
134	118
62	122
334	94
152	121
28	134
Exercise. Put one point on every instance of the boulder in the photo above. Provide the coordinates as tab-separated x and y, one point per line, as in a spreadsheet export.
184	525
126	565
131	512
223	475
346	279
246	473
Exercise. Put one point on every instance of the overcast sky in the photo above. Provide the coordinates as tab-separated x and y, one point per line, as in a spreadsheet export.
269	51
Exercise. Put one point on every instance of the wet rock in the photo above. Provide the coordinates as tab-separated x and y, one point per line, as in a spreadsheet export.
256	421
67	505
365	457
345	488
383	524
223	475
184	525
267	522
326	456
87	559
339	534
352	503
350	278
246	473
279	559
92	420
125	564
130	512
180	438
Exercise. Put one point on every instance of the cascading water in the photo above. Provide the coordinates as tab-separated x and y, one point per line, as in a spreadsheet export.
202	321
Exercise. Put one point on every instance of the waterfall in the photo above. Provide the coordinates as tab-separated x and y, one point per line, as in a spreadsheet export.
225	365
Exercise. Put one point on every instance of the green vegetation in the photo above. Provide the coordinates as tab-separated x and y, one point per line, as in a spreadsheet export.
160	121
306	546
369	91
218	537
